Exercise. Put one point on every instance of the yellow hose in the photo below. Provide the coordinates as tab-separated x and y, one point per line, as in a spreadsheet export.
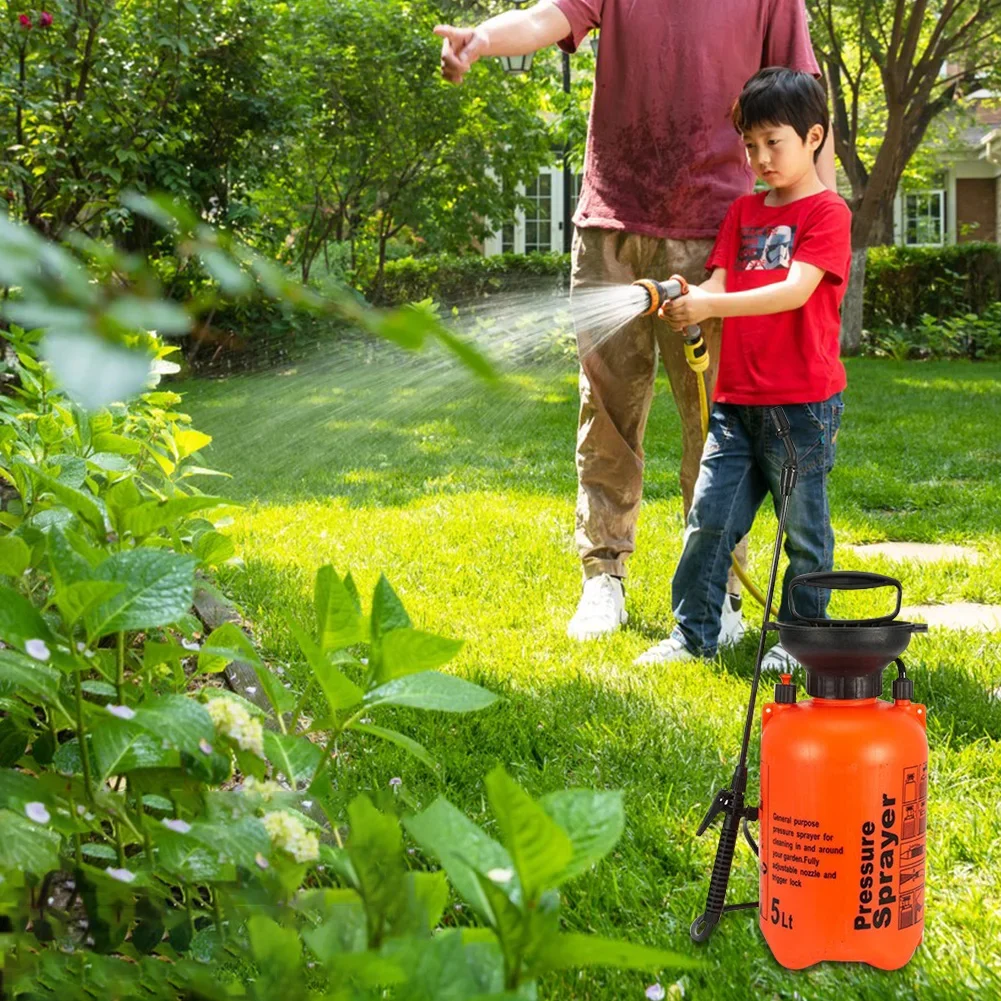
697	356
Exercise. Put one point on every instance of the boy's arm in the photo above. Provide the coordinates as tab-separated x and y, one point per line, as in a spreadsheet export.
716	282
701	303
513	33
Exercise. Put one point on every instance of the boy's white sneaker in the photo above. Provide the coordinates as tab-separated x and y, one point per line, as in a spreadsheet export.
779	659
731	625
602	608
666	651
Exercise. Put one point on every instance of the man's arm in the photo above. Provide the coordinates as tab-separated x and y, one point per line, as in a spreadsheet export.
513	33
700	303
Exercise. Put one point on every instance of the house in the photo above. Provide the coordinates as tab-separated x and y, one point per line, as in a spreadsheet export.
966	203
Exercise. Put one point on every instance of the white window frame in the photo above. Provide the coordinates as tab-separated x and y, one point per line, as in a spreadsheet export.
943	221
494	242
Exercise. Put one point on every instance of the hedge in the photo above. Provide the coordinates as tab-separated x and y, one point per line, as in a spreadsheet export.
904	283
456	281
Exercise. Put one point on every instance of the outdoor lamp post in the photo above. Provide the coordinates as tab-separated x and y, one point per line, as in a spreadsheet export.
517	64
594	44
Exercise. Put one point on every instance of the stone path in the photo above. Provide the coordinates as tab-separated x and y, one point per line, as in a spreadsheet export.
958	615
921	552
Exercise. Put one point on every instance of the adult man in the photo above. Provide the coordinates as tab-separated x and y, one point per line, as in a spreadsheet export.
663	164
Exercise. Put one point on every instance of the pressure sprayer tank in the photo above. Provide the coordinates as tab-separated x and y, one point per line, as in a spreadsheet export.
844	780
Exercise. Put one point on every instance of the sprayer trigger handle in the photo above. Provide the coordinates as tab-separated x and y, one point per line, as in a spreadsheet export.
720	804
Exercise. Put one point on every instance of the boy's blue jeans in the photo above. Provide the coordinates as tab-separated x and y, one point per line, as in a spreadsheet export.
741	465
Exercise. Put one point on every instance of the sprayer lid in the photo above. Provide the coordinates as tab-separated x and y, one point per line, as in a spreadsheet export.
844	658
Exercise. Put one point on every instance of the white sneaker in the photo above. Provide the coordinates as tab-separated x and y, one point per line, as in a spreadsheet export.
666	651
779	659
602	608
731	626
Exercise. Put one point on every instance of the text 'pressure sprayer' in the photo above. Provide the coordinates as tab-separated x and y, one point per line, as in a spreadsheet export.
697	356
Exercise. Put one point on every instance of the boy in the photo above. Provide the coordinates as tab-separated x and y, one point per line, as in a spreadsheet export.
779	267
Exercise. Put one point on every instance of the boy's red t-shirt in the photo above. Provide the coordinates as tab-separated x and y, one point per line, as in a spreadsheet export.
789	357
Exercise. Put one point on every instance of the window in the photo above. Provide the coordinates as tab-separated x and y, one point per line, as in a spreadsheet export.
539	214
578	183
924	218
507	239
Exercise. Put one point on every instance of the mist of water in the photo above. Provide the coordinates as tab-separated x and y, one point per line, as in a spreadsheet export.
338	397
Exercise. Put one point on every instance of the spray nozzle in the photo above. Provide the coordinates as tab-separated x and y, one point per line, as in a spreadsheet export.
659	292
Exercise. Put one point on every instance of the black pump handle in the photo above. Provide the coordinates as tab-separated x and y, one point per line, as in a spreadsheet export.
845	580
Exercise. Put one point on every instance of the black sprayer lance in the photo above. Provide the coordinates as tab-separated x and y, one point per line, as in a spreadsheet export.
730	801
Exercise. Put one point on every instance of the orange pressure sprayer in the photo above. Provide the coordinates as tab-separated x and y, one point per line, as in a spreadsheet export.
844	778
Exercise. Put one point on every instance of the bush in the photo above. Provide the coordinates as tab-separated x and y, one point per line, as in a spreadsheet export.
902	284
453	280
972	336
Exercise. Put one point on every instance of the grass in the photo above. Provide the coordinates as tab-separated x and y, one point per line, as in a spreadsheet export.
464	497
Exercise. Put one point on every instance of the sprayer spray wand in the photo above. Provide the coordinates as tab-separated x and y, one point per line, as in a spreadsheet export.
730	801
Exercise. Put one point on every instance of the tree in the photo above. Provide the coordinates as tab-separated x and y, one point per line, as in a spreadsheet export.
892	68
380	144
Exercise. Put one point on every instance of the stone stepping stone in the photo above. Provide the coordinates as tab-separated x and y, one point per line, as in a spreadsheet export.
959	615
920	552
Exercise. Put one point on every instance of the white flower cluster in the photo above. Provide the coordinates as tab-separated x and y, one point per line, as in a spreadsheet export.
289	834
265	788
232	720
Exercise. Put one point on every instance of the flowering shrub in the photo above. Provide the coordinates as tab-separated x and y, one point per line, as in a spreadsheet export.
157	840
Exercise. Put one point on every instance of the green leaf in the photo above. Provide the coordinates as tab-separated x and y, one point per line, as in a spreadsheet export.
121	747
100	851
275	949
339	691
159	587
15	556
180	721
29	676
153	515
540	849
281	699
161	315
296	757
224	645
189	441
68	565
119	444
213	548
431	890
77	601
567	952
20	621
399	739
593	820
432	690
241	840
338	623
84	505
408	651
387	610
462	848
375	848
26	846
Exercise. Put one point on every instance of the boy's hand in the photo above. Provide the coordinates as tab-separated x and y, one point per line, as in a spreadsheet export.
694	307
461	48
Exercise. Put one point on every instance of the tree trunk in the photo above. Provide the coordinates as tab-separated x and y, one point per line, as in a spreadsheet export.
851	308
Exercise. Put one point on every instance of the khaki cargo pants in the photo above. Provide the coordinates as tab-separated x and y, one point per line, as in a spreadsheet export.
616	389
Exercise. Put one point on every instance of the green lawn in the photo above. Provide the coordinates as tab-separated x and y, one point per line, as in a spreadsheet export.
464	497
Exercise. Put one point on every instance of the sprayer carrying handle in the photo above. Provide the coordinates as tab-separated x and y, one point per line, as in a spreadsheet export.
845	580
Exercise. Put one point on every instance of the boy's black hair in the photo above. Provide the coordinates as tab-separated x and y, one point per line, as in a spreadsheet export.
779	96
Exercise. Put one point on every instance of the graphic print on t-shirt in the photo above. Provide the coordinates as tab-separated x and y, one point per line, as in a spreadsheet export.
765	248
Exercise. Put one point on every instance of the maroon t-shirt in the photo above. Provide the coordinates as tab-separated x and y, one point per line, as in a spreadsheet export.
663	158
789	357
